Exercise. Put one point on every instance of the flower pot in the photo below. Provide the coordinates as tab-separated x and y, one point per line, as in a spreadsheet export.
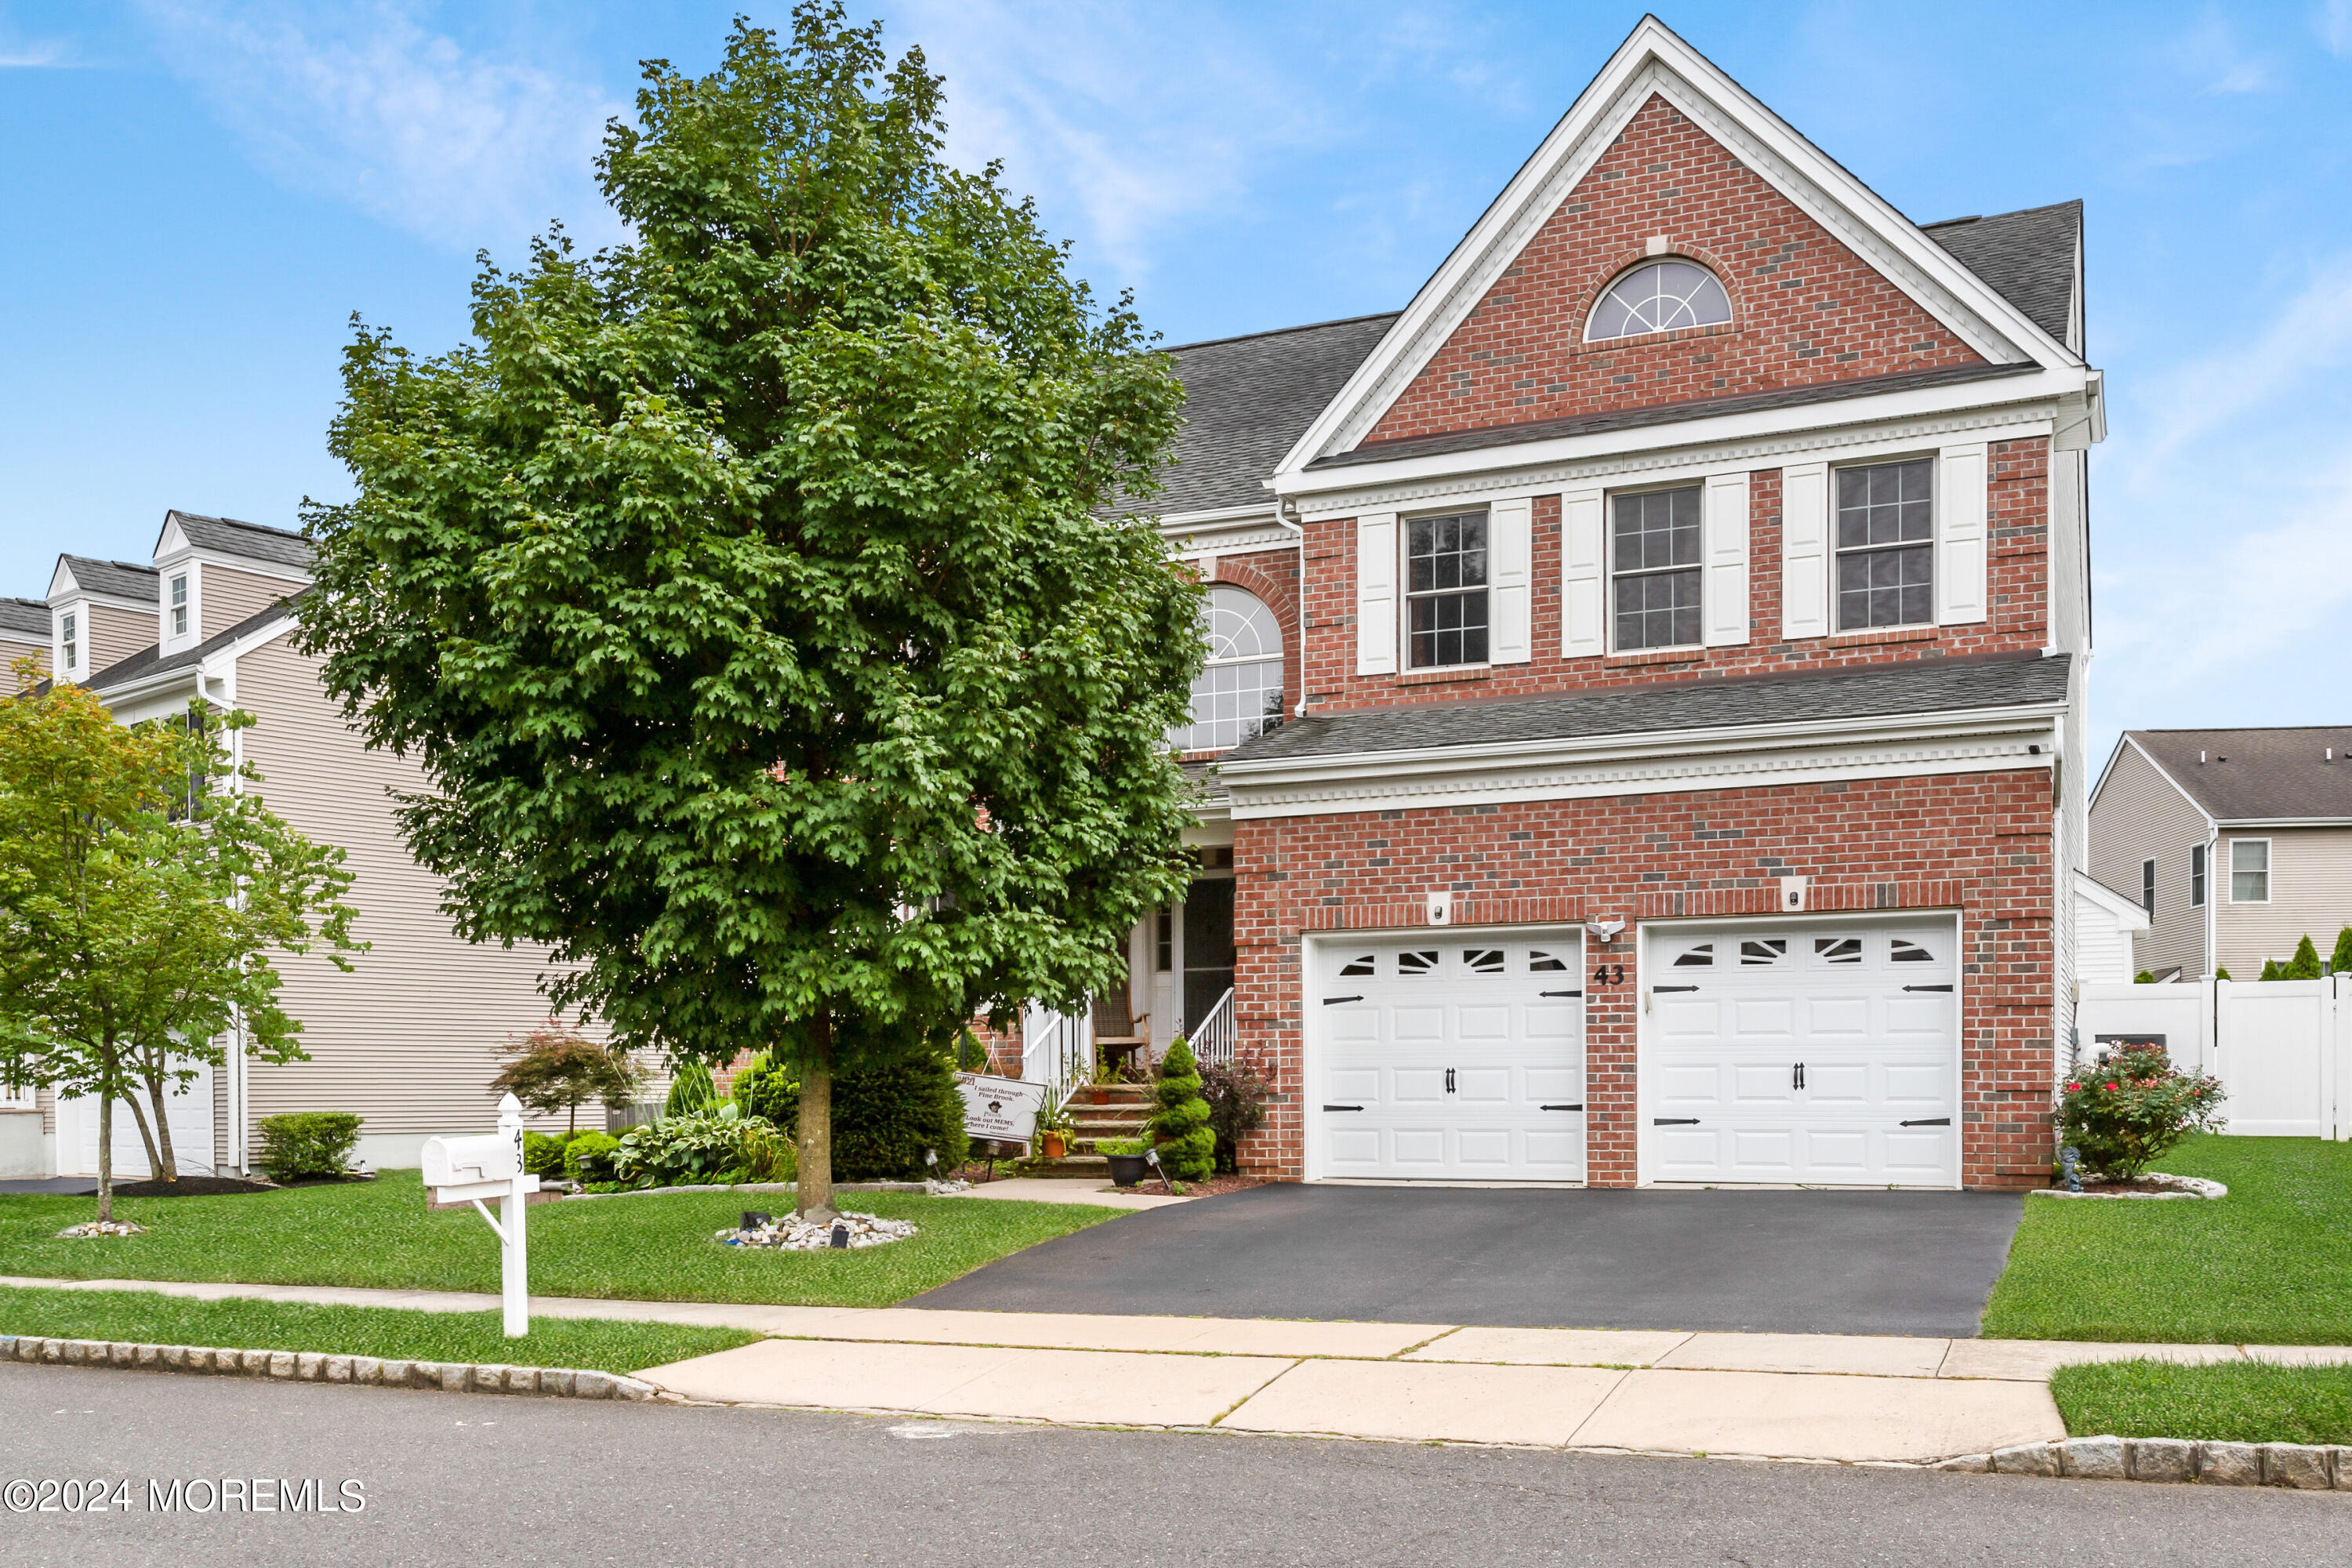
1126	1170
1057	1145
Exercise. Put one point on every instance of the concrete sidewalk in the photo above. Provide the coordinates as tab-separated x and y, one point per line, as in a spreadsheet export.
1834	1397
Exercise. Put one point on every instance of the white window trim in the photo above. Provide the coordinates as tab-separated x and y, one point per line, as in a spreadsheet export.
2200	874
1935	540
1609	565
1405	595
2270	868
2147	885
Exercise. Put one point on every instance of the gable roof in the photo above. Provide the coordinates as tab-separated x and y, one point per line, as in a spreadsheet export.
1918	685
231	536
148	662
2257	775
1654	61
25	617
2032	258
1246	399
111	579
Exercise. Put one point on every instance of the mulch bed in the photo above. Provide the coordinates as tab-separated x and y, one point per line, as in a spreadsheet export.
1216	1184
192	1187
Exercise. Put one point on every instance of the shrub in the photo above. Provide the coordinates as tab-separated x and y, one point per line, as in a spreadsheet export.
308	1144
2305	964
588	1158
884	1118
1188	1145
2269	970
542	1155
2341	961
2221	973
2144	977
2125	1112
691	1091
1236	1097
711	1146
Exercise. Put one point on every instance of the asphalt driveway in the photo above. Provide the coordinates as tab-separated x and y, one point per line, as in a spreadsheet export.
1790	1262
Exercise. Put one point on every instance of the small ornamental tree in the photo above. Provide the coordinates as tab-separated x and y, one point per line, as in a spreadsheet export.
2305	964
2221	973
2123	1112
556	1067
1188	1143
749	593
2341	961
2269	970
144	889
1236	1097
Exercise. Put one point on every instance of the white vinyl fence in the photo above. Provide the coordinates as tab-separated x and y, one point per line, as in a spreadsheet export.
2282	1049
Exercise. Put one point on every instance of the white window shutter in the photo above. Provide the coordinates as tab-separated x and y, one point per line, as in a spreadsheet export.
1723	523
1510	580
1582	620
1961	543
1375	593
1805	550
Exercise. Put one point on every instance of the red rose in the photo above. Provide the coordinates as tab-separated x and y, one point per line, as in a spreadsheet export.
2110	1086
2072	1087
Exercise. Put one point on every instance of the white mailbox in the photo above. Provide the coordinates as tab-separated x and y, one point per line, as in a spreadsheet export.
489	1165
462	1162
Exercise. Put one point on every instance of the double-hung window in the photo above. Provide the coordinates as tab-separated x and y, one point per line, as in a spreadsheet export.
180	605
1654	568
1885	545
2197	875
69	634
2148	886
1446	589
2249	870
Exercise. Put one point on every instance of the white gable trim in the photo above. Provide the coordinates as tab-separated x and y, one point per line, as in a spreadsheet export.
2126	913
2117	755
1654	60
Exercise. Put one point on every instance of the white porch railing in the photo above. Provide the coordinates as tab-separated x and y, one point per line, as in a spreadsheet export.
1058	1049
21	1098
1213	1037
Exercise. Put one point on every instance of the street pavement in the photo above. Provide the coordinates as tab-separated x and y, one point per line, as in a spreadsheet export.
468	1480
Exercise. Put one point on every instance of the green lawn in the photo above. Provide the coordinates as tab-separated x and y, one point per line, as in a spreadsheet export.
596	1343
2270	1264
2243	1402
652	1249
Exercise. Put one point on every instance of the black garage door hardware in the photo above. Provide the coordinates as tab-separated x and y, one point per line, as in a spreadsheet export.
1579	1105
1343	1108
1673	1120
1560	992
1927	988
1673	987
1928	1121
1331	1001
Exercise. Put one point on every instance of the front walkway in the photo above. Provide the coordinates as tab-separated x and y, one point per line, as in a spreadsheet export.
1855	1399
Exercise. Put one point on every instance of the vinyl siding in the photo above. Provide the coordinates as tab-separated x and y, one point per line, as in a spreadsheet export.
2311	895
408	1040
229	596
114	634
12	649
2103	951
2139	815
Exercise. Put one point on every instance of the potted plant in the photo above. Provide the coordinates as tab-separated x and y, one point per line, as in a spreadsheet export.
1125	1158
1053	1131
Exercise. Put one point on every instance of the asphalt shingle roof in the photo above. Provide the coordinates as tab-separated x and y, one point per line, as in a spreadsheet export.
1944	685
25	617
2257	774
147	662
115	579
254	540
2028	257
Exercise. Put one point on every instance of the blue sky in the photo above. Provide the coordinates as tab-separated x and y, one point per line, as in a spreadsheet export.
196	195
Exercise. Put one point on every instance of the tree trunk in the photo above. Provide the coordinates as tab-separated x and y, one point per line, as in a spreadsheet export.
105	1156
159	1090
813	1193
146	1138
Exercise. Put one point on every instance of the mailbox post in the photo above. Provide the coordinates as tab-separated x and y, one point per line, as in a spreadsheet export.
463	1169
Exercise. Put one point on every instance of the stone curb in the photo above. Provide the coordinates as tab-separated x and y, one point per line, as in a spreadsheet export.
758	1187
2302	1466
309	1366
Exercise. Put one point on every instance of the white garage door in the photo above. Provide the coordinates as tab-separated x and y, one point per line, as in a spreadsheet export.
1802	1051
1449	1058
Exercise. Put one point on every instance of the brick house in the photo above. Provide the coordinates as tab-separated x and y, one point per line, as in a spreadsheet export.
1643	737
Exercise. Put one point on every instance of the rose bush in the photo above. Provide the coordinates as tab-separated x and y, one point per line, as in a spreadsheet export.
2123	1111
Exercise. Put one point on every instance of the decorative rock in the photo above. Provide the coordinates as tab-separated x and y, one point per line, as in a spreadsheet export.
2162	1460
2296	1465
2230	1464
2093	1459
1973	1464
793	1234
101	1227
2025	1459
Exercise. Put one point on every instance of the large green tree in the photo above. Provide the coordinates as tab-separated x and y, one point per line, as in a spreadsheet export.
143	891
748	592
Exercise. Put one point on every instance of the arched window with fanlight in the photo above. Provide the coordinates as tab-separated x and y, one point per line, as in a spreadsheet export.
1658	297
1238	693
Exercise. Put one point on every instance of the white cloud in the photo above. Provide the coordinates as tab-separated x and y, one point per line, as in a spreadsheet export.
2333	22
2210	54
369	104
31	56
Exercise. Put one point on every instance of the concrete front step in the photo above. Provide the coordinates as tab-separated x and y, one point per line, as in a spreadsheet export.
1092	1166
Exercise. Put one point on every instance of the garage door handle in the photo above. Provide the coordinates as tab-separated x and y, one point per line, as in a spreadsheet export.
1927	988
1673	1120
1343	1108
1657	988
1928	1121
1560	992
1331	1001
1579	1105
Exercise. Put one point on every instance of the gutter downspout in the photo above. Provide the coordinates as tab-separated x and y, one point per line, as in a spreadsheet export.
1283	512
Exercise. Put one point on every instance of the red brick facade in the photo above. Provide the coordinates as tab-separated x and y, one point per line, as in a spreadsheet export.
2017	579
1977	843
1805	309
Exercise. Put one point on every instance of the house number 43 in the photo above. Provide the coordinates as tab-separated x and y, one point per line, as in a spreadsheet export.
1609	975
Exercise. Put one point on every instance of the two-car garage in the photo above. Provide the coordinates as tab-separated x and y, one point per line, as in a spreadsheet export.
1781	1051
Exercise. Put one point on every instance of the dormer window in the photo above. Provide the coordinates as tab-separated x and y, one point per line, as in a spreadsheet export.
1658	297
71	635
180	605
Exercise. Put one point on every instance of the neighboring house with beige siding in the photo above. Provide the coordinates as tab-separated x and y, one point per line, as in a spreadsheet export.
100	612
408	1040
2237	841
24	630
